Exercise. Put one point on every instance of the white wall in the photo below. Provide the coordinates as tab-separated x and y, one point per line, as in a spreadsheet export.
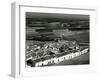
5	40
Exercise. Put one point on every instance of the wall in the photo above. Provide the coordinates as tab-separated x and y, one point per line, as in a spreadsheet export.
5	40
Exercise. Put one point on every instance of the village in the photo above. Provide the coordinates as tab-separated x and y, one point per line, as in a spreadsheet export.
52	52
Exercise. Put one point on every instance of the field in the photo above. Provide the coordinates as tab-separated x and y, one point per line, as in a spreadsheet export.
80	37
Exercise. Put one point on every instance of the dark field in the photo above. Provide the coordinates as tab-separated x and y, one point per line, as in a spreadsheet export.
81	38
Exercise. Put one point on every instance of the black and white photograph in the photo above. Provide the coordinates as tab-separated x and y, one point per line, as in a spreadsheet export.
54	39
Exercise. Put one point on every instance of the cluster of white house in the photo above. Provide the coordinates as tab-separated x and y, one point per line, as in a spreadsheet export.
62	58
